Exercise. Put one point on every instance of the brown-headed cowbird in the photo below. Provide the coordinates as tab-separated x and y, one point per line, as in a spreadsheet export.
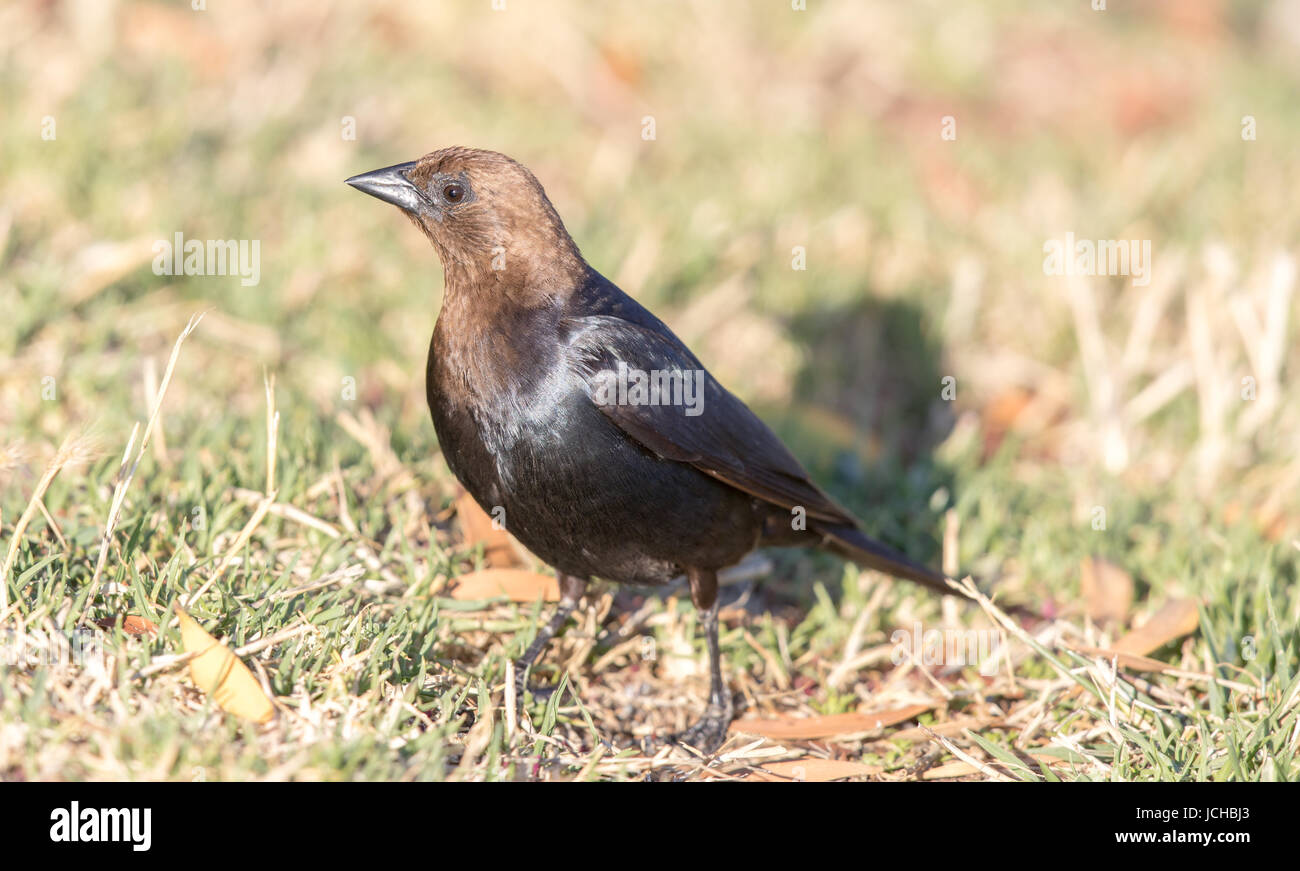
559	399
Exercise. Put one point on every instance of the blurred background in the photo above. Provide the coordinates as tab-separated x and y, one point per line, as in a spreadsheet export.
912	158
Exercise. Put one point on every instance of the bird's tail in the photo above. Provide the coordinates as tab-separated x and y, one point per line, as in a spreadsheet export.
850	543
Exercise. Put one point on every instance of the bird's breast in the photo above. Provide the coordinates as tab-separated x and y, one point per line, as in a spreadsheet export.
501	407
531	446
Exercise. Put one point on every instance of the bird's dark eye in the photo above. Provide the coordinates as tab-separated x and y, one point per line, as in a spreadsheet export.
453	193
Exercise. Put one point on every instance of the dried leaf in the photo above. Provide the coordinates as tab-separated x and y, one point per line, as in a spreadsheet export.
1000	415
499	549
131	625
219	673
955	726
959	768
1176	618
948	770
812	770
829	726
1131	661
518	585
104	263
1107	590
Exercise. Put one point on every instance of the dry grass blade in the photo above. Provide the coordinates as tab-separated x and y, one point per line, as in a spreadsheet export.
125	475
71	452
171	661
151	399
287	512
982	768
272	431
245	534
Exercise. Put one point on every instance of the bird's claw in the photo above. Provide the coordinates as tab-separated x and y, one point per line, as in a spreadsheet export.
709	732
522	687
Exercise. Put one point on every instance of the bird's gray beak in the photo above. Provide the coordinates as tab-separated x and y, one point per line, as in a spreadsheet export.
391	185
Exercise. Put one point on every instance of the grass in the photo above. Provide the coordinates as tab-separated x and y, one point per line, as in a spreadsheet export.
775	129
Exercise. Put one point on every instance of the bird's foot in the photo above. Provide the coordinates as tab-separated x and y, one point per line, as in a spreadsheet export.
709	732
522	686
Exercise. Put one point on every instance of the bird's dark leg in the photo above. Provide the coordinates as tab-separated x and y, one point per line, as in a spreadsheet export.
571	590
708	733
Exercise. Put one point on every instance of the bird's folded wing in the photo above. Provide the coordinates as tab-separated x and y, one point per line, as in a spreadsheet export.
695	419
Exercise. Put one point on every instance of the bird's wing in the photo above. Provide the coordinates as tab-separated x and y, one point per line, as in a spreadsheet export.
695	420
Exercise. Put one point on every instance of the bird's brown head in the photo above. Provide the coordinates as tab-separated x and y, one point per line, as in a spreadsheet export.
486	214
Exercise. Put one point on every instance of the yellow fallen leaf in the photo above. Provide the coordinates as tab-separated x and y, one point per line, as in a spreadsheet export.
219	673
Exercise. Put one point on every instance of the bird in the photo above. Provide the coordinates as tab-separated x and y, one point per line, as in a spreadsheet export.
580	420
